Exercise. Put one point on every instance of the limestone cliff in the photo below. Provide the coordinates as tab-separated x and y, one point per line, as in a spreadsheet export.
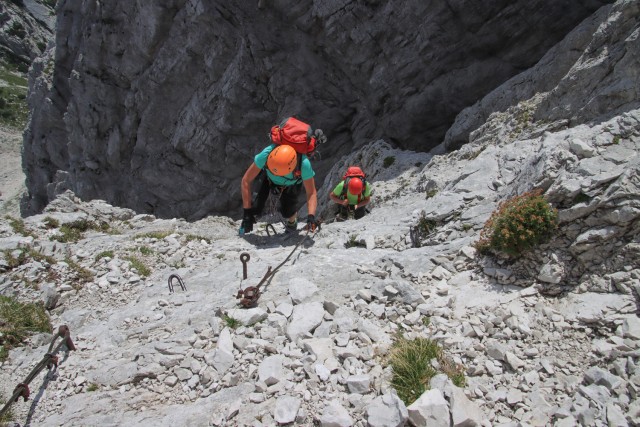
161	108
25	30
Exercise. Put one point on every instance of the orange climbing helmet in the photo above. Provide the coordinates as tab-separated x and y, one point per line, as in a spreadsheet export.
356	186
282	160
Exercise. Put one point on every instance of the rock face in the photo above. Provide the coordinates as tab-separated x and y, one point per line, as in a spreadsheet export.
585	78
161	108
550	338
26	27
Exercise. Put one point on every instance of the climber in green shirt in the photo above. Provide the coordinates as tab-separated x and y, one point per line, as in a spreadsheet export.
352	194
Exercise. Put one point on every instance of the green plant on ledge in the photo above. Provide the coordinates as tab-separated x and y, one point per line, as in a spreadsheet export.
104	254
74	231
231	322
142	269
18	320
8	414
18	226
353	242
518	224
159	235
82	274
388	161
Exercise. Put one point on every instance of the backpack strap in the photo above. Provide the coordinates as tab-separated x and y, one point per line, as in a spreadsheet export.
297	172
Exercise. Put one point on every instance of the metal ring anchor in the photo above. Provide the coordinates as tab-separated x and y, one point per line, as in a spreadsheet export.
180	282
273	229
244	258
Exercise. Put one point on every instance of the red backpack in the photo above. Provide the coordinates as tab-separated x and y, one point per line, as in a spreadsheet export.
353	172
295	133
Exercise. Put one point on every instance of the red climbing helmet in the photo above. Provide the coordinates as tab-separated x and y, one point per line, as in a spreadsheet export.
355	186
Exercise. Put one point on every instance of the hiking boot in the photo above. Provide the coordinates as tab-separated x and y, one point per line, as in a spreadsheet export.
291	226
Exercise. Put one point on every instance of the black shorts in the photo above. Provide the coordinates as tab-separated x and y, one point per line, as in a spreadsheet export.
289	197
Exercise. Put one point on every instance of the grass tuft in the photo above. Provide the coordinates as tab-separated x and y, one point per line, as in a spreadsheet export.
145	250
8	415
50	222
104	254
18	320
411	361
82	274
154	235
231	322
136	263
191	237
353	242
74	231
18	226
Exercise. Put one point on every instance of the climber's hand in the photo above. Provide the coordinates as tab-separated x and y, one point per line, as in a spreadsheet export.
312	224
248	219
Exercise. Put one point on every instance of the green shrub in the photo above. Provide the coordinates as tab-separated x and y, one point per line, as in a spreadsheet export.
518	224
413	369
388	161
18	320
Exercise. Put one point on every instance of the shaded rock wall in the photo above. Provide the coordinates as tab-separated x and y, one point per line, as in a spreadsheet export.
589	77
25	30
161	108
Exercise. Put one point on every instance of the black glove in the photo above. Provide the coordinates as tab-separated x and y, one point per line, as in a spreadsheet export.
312	224
248	219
